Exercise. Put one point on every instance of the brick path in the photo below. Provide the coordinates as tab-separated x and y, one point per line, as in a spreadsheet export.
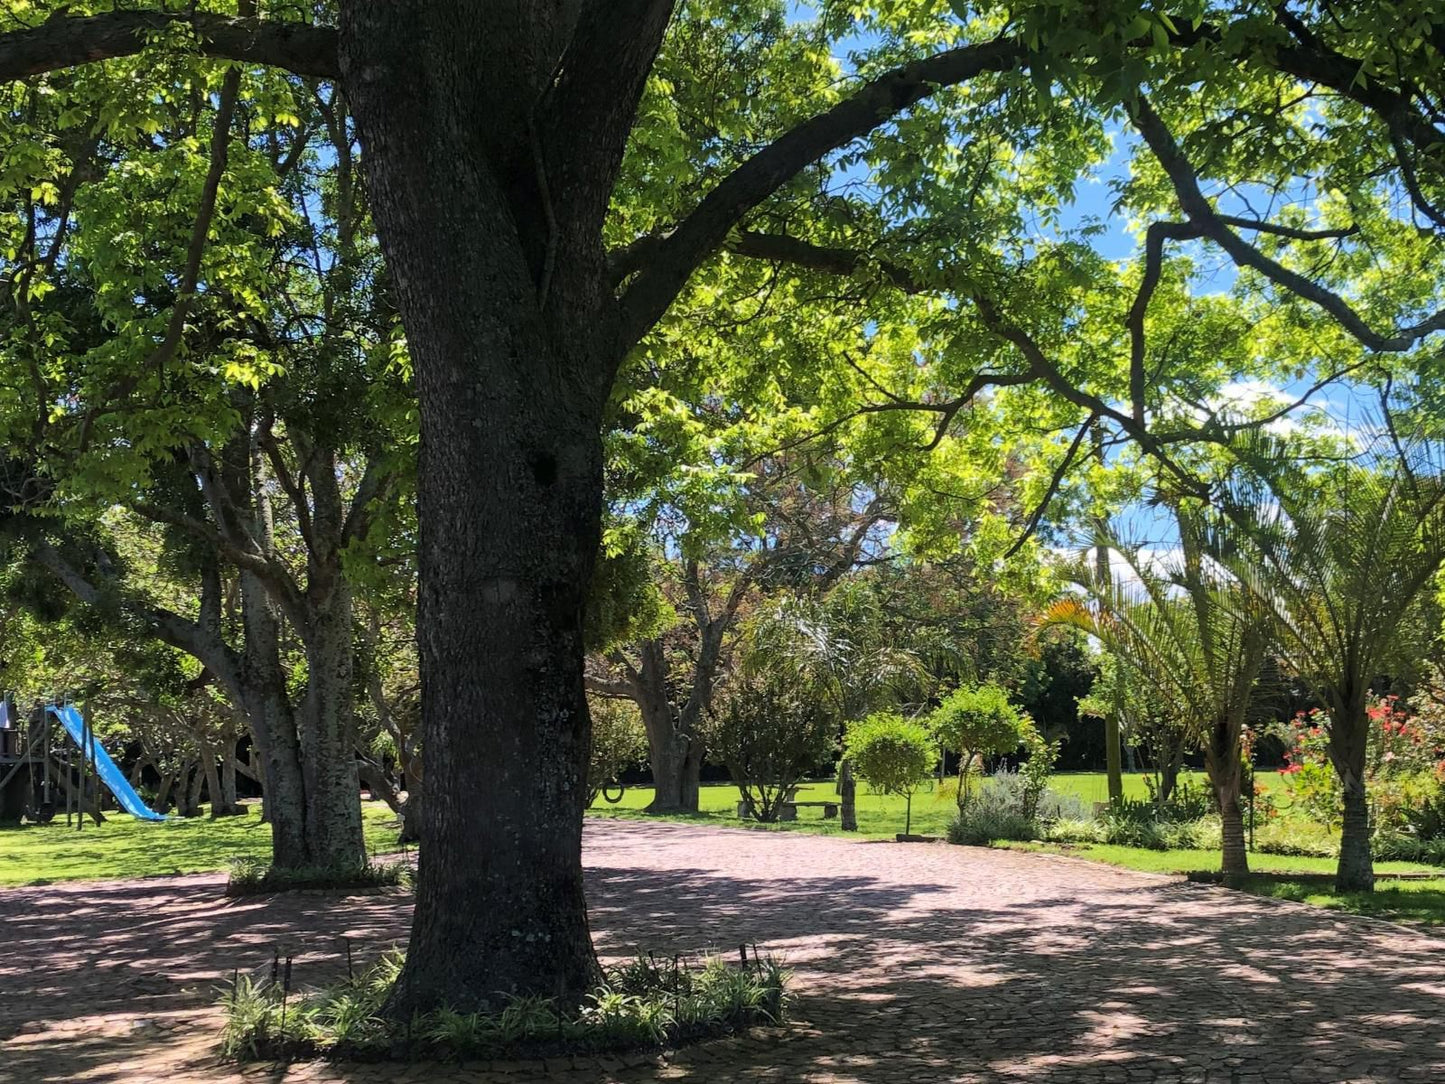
913	963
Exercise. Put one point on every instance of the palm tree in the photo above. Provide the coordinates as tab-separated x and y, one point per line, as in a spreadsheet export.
1342	559
1187	629
838	644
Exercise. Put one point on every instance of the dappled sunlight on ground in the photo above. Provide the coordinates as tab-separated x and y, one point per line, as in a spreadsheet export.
912	963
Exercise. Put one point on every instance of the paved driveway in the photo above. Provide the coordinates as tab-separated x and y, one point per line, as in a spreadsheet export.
913	963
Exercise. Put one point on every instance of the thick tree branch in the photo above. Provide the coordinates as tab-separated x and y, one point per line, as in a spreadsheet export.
608	687
1154	239
1200	212
66	41
289	484
375	482
195	638
200	230
596	88
1060	473
704	230
835	261
1294	233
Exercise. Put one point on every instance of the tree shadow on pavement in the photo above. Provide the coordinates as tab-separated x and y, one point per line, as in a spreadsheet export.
916	964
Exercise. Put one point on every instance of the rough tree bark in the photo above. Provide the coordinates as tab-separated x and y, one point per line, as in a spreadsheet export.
229	797
496	249
1349	745
1223	766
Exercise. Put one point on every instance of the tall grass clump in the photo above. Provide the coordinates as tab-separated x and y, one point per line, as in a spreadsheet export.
644	1004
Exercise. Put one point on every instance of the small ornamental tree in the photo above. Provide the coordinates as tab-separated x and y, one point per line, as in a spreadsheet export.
618	742
975	721
892	754
770	730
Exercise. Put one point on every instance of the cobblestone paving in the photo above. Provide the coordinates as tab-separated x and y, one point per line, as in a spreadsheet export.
913	963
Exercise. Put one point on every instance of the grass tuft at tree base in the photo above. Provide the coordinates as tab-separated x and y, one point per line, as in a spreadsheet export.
254	877
643	1005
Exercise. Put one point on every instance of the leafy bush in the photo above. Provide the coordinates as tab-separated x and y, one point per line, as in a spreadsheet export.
1402	847
980	822
644	1004
974	722
253	877
1426	822
1296	836
770	732
1081	829
1008	806
1035	772
1188	802
1138	823
618	742
892	754
1404	765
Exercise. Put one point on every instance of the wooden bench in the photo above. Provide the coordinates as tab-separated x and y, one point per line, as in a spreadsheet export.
788	811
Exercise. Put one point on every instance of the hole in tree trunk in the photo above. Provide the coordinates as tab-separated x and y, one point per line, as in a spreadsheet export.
544	468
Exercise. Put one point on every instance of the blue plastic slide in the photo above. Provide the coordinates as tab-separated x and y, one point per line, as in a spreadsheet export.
109	772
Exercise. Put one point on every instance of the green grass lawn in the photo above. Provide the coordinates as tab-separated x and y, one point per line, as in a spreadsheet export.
1183	862
1412	903
1418	903
124	847
883	815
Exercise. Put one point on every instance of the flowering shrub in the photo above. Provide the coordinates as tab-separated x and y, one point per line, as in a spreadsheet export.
1404	765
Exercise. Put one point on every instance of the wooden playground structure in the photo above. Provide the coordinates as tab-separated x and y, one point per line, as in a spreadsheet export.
42	773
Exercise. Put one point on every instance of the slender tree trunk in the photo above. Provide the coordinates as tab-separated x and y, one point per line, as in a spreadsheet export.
1168	780
1112	766
1349	746
213	781
407	809
327	743
228	778
163	792
848	794
1222	763
273	729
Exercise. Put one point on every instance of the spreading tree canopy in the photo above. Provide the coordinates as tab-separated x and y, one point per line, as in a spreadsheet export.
562	193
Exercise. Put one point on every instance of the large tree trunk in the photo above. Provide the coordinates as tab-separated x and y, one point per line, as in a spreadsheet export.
674	746
676	759
1356	869
493	135
312	792
1234	859
509	500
